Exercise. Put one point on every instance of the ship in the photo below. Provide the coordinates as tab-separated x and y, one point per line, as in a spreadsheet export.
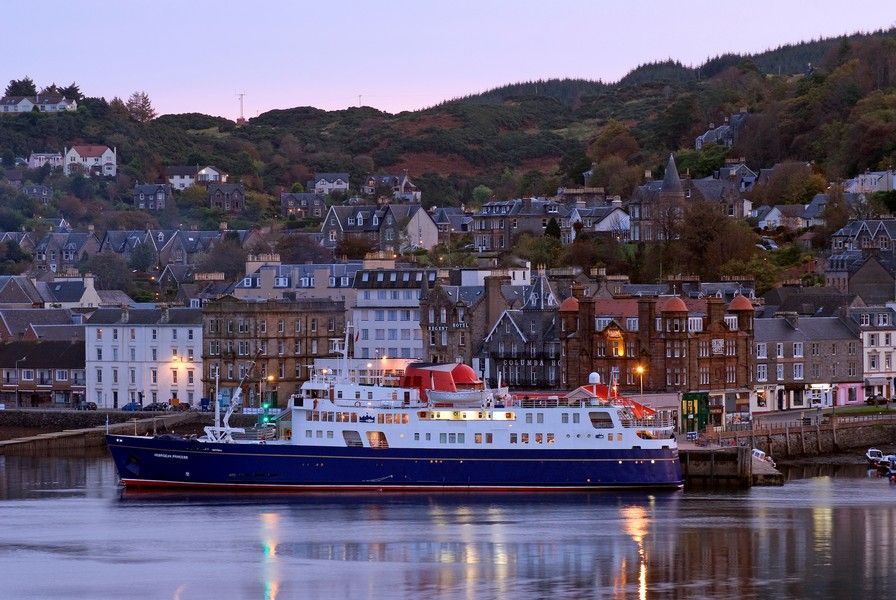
345	432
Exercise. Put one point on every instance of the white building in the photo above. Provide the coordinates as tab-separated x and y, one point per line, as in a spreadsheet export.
387	312
181	177
143	355
39	159
877	328
43	102
327	183
91	160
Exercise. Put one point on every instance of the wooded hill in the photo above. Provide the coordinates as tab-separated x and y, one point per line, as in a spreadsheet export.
831	102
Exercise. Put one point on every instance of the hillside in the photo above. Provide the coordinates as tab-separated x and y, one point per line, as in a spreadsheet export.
528	137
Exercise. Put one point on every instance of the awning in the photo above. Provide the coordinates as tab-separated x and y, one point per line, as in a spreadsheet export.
877	381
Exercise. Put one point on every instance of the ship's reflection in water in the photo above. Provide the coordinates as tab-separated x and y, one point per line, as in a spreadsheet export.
825	536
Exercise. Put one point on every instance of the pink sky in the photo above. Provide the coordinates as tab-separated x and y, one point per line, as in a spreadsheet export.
194	56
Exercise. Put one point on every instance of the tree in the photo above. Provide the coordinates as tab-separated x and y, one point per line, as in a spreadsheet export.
143	257
353	247
297	188
21	87
299	248
72	92
553	229
227	257
140	108
482	194
109	270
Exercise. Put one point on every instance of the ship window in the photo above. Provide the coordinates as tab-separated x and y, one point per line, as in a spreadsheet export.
329	434
550	438
352	439
377	439
443	438
405	419
477	438
601	419
307	433
380	419
528	417
524	438
540	418
488	438
416	437
354	417
564	418
460	438
575	417
388	418
512	438
452	438
508	416
539	438
320	433
428	437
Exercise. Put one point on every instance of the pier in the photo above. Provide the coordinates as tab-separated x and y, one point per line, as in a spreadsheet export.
725	467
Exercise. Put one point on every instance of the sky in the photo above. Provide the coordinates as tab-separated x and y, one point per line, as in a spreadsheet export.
196	55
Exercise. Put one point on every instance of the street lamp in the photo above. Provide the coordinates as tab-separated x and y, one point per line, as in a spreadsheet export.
18	381
640	371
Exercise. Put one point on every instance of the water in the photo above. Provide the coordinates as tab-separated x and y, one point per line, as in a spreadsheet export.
66	531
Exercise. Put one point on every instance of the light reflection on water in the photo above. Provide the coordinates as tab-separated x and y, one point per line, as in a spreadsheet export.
827	535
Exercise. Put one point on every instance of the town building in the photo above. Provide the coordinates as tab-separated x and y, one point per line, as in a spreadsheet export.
38	159
91	159
303	205
452	223
327	183
693	346
497	224
59	252
390	228
452	322
877	330
228	197
524	346
144	356
806	362
269	346
182	177
386	315
42	374
152	196
267	279
48	102
392	188
39	192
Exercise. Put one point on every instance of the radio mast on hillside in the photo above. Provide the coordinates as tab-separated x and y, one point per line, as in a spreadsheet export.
241	118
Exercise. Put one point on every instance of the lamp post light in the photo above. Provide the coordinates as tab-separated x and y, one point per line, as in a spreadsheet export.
640	371
18	381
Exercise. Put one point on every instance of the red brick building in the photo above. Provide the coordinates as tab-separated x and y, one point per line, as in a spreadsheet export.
674	344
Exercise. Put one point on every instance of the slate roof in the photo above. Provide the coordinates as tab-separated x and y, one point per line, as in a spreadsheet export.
15	289
814	301
151	316
50	354
331	177
58	332
152	188
777	329
114	298
18	320
62	291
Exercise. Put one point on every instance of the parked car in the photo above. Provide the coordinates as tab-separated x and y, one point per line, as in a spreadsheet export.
87	406
157	407
132	406
181	407
875	400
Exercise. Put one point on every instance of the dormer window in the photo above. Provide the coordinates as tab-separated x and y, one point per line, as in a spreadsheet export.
376	220
360	220
161	237
351	221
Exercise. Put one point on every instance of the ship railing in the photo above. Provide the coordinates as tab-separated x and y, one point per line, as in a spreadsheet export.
650	423
555	402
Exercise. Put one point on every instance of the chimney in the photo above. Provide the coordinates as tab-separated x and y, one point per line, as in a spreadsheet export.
646	320
715	311
494	300
165	314
222	226
125	313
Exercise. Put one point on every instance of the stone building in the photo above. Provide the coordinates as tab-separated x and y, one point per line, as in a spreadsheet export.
696	347
804	362
268	345
524	344
450	318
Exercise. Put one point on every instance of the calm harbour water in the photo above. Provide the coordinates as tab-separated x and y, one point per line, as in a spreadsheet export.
67	531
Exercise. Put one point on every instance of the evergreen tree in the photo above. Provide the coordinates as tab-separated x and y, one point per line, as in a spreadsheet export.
140	108
553	229
21	87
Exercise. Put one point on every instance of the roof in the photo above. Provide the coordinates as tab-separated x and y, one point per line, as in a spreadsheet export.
43	355
331	177
671	181
18	320
91	150
152	188
226	188
141	316
114	297
70	290
58	332
571	304
740	303
807	328
676	304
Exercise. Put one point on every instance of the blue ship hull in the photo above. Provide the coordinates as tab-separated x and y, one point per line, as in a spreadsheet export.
171	462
